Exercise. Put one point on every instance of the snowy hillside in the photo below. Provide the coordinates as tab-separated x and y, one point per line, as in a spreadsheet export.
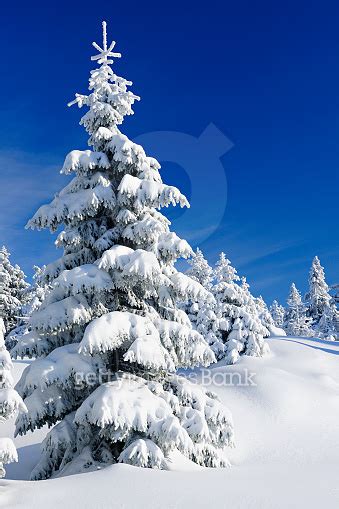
286	455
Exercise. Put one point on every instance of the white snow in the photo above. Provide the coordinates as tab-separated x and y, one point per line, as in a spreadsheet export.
62	314
115	258
149	352
8	454
140	263
85	278
10	403
70	205
84	160
111	330
57	368
286	455
143	192
124	403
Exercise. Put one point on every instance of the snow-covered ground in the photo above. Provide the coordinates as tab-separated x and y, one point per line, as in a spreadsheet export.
287	453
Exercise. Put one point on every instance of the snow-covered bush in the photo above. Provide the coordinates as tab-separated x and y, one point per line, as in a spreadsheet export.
10	402
109	335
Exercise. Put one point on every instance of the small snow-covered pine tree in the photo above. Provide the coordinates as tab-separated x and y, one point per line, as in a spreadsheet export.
327	327
320	306
318	297
335	302
224	272
277	312
9	304
266	318
263	312
10	402
202	272
296	323
335	294
32	298
12	290
232	324
112	313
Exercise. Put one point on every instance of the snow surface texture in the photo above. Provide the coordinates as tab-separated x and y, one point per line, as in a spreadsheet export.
287	447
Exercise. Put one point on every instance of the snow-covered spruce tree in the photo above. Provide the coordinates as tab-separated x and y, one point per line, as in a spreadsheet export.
266	318
296	323
263	312
201	312
9	304
36	293
12	290
277	312
202	272
318	297
33	297
232	324
320	306
335	302
10	402
327	327
335	294
112	311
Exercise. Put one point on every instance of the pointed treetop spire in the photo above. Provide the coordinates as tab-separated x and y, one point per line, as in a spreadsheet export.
105	51
104	35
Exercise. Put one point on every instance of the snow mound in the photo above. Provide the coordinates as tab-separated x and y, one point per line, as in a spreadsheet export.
287	444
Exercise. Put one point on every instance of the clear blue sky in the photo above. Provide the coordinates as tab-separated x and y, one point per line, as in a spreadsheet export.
264	74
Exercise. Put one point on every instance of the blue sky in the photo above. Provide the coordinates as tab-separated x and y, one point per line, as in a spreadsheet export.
239	103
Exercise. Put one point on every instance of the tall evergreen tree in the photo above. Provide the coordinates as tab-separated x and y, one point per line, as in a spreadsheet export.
10	402
112	310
